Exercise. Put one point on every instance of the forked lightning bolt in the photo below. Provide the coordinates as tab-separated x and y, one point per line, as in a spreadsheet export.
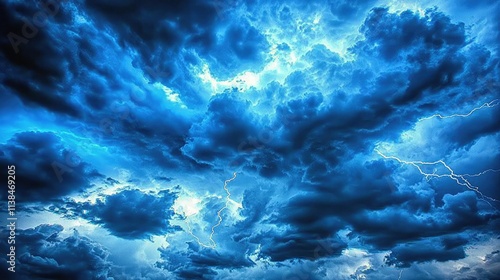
458	178
485	105
212	243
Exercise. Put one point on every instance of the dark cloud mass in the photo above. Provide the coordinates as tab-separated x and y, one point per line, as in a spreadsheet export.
362	136
227	123
44	254
132	214
45	168
450	249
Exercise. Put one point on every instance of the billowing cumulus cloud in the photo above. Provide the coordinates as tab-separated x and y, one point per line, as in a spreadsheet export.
45	167
226	125
199	263
363	134
130	214
44	254
449	249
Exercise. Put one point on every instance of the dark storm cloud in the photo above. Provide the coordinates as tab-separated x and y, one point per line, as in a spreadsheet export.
45	168
430	79
326	208
227	124
288	245
354	195
66	70
321	121
387	228
165	34
52	58
315	126
43	254
427	250
325	119
30	51
391	35
340	194
60	68
58	59
152	133
268	164
149	26
243	48
200	263
131	214
335	196
431	44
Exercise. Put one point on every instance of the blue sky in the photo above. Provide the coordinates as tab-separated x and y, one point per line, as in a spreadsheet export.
252	139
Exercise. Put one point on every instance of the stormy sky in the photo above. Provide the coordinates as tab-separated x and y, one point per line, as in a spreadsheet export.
252	139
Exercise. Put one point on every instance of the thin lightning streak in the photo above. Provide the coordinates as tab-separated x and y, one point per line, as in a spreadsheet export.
481	173
400	274
212	244
458	178
485	105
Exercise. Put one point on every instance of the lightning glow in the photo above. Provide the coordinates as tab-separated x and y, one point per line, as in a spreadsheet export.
212	244
490	104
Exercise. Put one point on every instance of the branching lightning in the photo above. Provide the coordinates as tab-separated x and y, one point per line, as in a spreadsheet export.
458	178
212	244
490	104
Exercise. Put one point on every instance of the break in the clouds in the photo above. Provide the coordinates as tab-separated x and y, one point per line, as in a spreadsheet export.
364	136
